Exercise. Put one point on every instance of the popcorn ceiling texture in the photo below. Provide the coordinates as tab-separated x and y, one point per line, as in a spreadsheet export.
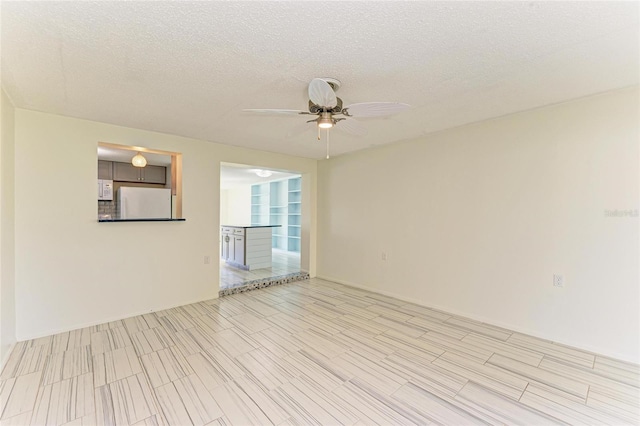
189	68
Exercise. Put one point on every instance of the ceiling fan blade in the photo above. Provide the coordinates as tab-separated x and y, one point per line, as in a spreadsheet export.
374	109
321	94
300	129
352	127
276	111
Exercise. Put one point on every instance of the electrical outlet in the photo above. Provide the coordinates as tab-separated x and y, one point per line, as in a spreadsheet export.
558	280
383	256
207	260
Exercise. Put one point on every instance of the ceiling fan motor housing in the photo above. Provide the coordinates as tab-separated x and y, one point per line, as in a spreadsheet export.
315	109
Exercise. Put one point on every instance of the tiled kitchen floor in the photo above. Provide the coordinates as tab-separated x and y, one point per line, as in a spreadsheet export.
283	263
311	352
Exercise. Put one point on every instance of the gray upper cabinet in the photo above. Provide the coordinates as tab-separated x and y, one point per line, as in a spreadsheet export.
154	174
126	172
105	170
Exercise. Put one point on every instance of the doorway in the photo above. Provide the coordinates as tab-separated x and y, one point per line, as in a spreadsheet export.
253	199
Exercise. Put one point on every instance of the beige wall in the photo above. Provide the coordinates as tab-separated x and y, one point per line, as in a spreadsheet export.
477	220
72	271
7	220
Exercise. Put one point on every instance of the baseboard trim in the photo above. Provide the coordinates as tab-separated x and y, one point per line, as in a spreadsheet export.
118	318
585	348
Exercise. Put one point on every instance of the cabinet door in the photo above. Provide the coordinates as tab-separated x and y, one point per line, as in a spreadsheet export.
238	249
224	251
154	174
126	172
105	170
231	249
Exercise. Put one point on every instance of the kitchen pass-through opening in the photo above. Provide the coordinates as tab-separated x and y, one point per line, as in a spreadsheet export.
139	184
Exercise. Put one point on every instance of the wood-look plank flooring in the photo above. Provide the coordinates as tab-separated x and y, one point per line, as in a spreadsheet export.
310	352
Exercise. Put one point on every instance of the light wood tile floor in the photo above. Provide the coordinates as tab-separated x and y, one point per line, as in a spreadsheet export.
282	263
310	352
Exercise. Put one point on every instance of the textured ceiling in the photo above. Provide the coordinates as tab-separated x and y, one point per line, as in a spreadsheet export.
189	68
235	175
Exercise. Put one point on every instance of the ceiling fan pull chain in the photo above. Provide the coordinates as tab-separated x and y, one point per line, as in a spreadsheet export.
327	144
318	132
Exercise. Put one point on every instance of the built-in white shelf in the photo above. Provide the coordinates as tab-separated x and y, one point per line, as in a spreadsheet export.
278	203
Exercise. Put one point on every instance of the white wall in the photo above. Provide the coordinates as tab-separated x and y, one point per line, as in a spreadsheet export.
238	205
224	206
7	221
476	220
235	206
72	271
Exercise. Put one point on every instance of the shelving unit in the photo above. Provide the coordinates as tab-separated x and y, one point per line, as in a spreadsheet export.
279	203
277	214
294	201
260	204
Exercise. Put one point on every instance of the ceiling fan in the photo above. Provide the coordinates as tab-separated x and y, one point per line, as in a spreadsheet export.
328	108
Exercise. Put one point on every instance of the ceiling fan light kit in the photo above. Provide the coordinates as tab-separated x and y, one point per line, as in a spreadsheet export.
324	103
325	121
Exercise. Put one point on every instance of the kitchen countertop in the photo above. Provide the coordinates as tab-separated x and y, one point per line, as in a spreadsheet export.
141	220
252	226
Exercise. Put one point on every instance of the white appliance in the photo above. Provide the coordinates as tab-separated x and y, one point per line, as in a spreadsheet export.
144	203
105	189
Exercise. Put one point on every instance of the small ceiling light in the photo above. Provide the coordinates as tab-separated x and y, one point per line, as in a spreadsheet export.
325	121
264	173
138	160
